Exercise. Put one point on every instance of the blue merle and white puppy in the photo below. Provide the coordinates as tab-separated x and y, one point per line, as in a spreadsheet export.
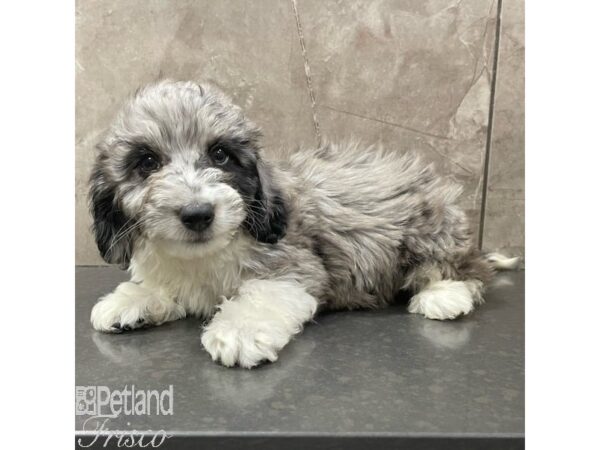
182	196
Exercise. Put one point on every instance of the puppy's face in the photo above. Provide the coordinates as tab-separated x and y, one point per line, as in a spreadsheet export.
180	167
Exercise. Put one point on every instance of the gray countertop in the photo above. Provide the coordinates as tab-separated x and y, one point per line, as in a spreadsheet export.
382	378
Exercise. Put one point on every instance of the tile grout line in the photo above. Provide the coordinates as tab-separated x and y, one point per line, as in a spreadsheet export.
311	93
488	141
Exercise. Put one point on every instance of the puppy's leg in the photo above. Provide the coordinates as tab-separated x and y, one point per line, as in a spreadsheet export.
446	299
131	306
257	323
440	295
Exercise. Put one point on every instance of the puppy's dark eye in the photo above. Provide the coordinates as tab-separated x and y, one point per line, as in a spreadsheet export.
219	156
149	164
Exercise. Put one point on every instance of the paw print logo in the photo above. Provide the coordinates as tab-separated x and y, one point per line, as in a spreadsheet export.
85	400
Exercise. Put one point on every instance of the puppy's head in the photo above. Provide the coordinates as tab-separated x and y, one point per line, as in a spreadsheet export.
180	167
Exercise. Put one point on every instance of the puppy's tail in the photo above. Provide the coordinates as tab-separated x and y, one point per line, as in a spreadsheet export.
501	262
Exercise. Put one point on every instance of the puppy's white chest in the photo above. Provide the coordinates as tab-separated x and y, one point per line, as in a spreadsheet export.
199	284
199	291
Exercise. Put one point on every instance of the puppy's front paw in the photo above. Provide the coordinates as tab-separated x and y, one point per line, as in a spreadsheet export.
112	316
258	323
131	306
246	344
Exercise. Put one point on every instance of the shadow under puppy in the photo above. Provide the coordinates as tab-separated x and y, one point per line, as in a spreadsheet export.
182	197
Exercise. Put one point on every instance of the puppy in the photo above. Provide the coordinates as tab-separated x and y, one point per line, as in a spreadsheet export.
182	196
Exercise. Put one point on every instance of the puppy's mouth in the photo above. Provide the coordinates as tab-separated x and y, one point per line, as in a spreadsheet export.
197	240
187	242
187	239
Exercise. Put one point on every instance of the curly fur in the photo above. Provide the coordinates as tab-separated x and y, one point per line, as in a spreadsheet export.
341	226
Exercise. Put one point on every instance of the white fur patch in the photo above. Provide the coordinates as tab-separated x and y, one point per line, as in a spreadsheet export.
198	284
255	325
501	262
131	305
446	299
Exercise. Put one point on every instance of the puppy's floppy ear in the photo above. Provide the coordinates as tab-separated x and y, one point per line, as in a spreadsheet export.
110	223
267	214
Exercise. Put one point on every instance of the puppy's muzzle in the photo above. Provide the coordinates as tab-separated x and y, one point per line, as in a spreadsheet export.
197	217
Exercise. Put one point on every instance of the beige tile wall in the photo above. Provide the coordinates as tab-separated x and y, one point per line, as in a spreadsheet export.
411	74
504	221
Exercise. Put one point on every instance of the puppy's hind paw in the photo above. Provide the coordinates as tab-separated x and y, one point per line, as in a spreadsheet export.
446	299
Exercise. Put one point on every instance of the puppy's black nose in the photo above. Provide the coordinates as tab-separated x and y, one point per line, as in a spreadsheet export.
197	217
